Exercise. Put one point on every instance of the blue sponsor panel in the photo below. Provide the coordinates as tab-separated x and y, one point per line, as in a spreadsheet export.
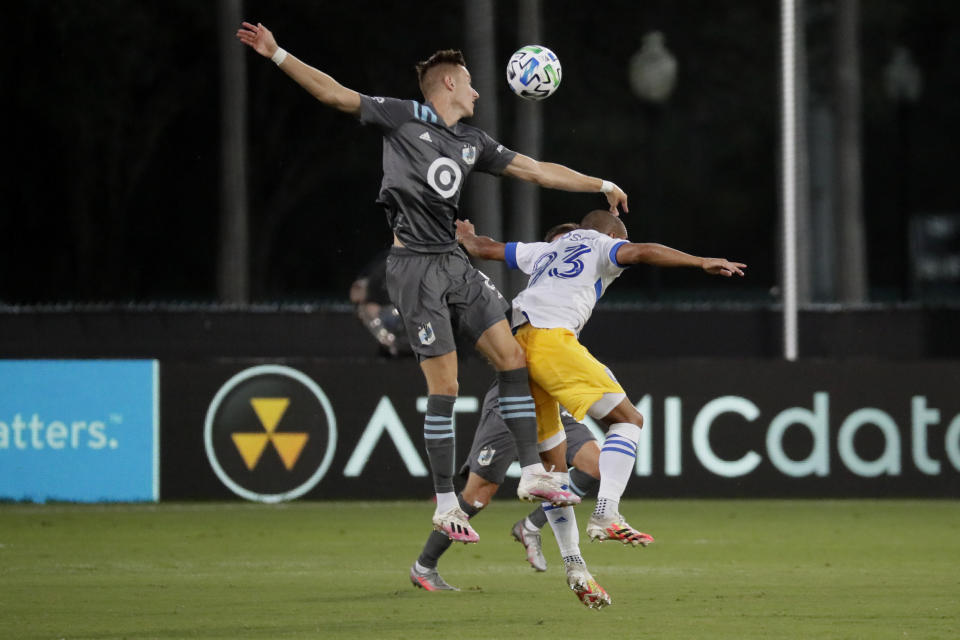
79	431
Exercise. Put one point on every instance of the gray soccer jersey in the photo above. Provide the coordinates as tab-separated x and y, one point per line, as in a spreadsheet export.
425	164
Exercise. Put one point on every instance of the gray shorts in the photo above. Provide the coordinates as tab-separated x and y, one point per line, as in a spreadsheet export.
493	450
440	295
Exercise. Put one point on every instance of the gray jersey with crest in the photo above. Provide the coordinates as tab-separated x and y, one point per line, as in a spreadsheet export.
425	164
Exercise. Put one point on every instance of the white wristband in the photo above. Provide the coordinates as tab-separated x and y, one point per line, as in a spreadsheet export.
606	186
279	56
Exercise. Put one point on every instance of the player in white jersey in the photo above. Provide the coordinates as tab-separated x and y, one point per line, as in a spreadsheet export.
567	277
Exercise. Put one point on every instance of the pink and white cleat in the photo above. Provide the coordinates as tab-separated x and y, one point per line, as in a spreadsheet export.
546	486
454	524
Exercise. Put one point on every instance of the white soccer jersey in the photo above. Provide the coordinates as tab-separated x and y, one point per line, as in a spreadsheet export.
567	277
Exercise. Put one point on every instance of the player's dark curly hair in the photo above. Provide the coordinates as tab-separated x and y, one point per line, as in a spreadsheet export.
444	56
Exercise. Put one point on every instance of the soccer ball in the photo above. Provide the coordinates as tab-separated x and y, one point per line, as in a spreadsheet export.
533	72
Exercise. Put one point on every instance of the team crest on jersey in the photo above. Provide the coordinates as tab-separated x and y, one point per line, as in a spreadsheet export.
426	334
485	457
469	153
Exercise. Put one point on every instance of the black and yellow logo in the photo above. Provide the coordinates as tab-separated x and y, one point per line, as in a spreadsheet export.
270	433
287	445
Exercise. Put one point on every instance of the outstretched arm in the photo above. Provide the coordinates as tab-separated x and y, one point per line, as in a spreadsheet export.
557	176
662	256
317	83
479	246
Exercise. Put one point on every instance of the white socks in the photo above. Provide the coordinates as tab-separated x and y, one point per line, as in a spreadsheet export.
447	501
564	524
532	468
617	460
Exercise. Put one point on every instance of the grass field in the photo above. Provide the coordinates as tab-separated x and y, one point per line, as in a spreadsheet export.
719	569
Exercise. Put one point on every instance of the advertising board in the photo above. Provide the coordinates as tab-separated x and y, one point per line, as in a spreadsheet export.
732	428
79	430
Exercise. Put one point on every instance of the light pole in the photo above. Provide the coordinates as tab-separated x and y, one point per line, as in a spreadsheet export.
904	83
653	77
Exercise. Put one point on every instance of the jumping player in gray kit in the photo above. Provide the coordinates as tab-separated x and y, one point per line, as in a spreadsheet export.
427	155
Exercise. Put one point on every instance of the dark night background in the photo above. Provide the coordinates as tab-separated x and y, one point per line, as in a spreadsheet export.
111	134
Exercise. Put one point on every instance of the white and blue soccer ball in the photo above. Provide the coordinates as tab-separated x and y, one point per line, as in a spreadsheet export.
534	72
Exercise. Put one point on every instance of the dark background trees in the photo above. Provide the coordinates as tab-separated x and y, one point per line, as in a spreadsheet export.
111	132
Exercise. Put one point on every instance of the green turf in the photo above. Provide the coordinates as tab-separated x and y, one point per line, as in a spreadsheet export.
719	569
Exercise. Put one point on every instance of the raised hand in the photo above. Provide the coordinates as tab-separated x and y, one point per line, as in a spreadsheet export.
258	38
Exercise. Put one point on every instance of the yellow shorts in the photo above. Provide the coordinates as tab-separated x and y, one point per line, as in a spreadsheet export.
562	371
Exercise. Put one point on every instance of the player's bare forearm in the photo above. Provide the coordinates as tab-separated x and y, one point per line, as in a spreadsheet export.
662	256
482	247
654	254
320	85
557	176
551	175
